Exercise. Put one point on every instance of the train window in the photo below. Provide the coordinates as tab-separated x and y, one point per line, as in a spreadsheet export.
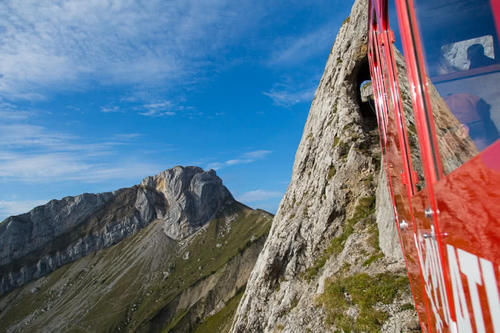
404	91
463	55
462	60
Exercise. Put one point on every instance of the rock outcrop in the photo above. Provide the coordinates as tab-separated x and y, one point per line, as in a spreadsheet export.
192	196
147	282
61	231
171	254
333	246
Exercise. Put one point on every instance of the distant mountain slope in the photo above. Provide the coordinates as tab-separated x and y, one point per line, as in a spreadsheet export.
183	249
61	231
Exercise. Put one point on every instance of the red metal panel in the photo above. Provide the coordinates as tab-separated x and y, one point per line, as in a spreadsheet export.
452	254
393	139
421	104
468	199
495	5
431	165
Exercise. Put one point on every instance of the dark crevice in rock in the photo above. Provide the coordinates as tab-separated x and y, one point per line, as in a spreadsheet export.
361	73
338	231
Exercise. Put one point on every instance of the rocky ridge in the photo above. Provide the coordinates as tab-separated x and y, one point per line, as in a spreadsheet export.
61	231
182	267
147	282
332	260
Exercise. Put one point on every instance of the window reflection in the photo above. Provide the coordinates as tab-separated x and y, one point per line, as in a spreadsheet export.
460	48
404	90
474	115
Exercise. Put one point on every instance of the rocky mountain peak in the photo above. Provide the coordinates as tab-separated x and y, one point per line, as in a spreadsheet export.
167	254
192	195
181	199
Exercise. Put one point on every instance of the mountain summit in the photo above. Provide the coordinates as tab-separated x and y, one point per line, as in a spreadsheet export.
182	199
192	196
173	253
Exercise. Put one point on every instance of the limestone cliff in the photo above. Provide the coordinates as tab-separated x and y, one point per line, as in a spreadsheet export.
332	260
173	253
49	236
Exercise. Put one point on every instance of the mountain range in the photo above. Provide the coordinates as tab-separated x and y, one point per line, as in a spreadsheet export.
171	252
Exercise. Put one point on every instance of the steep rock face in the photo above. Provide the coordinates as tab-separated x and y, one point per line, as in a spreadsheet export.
49	236
333	241
46	222
193	197
147	282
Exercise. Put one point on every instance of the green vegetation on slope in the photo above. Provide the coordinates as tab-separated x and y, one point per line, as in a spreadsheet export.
363	292
364	209
136	284
221	321
208	252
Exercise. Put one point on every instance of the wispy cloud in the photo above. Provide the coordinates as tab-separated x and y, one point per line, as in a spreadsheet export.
157	113
33	154
158	109
84	164
110	109
10	208
13	115
259	195
20	135
296	49
245	158
257	154
160	105
127	136
9	112
287	97
71	44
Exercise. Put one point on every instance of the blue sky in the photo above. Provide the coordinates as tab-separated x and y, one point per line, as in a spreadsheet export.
97	94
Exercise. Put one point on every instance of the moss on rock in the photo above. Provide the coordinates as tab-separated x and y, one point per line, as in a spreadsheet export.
363	292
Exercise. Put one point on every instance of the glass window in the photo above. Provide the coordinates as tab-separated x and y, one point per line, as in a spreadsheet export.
406	104
460	49
466	54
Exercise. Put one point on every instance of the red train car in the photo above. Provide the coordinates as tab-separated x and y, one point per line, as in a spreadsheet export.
435	69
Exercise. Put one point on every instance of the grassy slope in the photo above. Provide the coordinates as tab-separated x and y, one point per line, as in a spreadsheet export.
222	320
127	285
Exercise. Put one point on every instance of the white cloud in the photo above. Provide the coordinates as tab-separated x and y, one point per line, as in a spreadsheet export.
108	109
70	44
257	154
41	167
298	49
160	105
235	162
78	166
34	154
286	97
14	115
157	113
245	158
10	208
19	134
159	109
9	112
127	136
259	195
215	165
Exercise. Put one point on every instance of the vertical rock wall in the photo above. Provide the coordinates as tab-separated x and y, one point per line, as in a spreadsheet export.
334	229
